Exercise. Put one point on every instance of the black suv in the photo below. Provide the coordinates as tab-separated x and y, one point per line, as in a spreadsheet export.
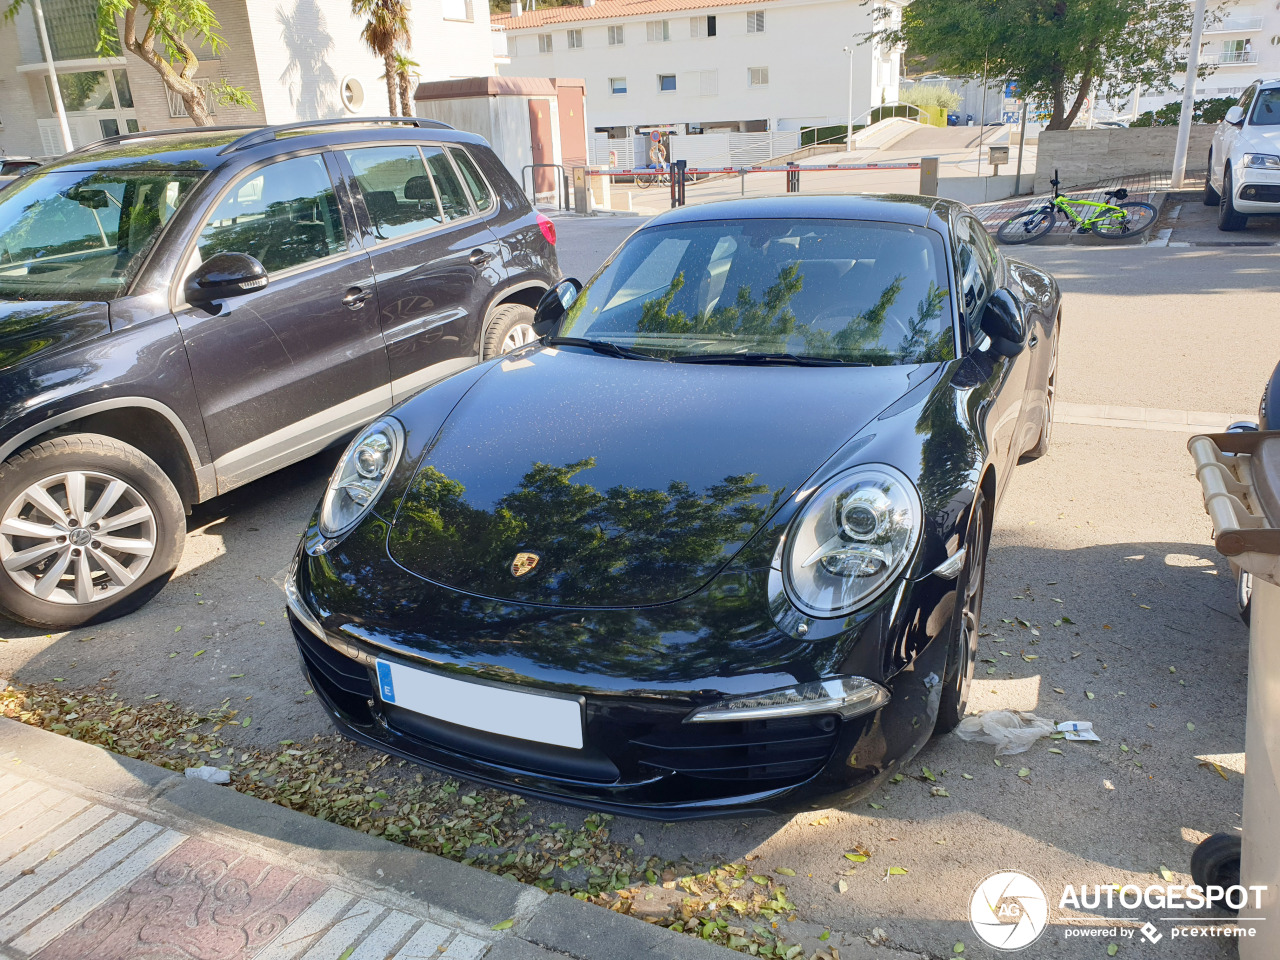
181	313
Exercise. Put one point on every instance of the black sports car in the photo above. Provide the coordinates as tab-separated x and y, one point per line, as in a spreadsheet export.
715	542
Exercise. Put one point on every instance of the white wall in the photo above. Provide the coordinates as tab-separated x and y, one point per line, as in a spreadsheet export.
801	46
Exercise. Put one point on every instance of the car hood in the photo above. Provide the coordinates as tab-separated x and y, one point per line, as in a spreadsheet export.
29	327
607	482
1261	139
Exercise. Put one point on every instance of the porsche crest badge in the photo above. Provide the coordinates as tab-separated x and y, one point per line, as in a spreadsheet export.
524	563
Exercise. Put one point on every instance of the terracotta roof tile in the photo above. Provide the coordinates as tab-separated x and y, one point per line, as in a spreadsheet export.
612	9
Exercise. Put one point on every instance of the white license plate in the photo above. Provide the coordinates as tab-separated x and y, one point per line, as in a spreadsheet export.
509	713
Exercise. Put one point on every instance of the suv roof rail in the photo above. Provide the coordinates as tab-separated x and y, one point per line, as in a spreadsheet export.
135	135
267	134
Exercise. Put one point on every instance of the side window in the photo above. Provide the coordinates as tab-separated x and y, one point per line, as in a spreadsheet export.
396	188
475	183
974	273
284	215
453	198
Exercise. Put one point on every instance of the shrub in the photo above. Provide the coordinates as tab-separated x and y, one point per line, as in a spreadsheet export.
931	95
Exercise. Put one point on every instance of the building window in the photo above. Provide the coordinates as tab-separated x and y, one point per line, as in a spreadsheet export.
755	21
575	39
658	30
544	43
618	85
179	109
666	83
457	9
758	76
615	36
701	27
352	94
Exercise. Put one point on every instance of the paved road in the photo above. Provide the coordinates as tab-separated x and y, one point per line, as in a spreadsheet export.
1107	530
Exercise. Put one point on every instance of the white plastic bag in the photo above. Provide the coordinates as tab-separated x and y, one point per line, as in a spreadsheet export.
1012	731
211	774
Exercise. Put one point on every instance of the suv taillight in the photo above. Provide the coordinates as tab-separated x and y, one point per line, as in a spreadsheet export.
548	229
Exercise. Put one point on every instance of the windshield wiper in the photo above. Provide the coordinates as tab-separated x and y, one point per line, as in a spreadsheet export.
607	347
769	358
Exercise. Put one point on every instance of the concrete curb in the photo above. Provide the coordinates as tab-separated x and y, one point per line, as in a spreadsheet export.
545	926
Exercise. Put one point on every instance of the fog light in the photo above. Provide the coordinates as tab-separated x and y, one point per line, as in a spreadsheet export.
1249	193
848	696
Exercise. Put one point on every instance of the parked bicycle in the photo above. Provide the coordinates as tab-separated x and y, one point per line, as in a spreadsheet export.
1120	220
660	176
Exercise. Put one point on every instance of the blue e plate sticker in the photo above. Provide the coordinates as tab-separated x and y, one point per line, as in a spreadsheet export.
385	686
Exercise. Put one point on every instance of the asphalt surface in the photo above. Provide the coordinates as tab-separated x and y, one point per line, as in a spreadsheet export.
1106	531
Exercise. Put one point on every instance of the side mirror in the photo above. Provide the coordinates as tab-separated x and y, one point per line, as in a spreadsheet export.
555	303
1002	322
1235	115
225	275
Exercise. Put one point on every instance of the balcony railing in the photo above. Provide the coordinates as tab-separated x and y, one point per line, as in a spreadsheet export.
1230	57
1235	25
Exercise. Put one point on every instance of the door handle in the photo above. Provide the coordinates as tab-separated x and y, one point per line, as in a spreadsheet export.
355	298
479	258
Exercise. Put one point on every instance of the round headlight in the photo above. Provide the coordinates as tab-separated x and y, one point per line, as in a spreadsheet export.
850	541
361	475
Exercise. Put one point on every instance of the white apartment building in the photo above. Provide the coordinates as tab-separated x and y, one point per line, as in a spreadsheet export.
702	66
1242	46
298	60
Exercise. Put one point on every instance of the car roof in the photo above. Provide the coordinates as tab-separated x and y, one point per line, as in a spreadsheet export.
207	148
910	209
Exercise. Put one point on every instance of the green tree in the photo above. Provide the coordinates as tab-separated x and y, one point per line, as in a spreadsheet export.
173	32
386	32
1204	111
1059	52
404	67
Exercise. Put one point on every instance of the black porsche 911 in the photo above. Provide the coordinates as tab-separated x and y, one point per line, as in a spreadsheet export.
716	542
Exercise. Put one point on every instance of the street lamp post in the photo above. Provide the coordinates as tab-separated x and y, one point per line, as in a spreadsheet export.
38	12
848	132
1188	97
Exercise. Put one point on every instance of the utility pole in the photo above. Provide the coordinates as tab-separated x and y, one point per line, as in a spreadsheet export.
1188	98
848	133
38	12
1022	139
982	117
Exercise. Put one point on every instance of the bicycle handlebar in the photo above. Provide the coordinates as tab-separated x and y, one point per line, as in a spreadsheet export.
1055	181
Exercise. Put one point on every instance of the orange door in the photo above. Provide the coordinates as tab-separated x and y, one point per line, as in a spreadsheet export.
544	178
573	131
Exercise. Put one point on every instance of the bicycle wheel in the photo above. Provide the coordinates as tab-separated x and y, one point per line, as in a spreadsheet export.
644	180
1027	226
1134	218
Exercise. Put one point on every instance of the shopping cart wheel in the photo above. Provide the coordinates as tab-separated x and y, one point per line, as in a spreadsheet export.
1216	861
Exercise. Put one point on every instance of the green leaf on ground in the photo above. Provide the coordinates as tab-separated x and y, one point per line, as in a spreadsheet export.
897	871
503	925
785	871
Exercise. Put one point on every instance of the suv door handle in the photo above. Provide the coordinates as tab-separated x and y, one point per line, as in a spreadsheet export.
479	258
355	298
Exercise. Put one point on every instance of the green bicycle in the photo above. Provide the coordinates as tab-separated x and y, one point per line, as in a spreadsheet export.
1120	220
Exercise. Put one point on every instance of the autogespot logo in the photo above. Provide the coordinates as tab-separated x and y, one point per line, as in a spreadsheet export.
1009	910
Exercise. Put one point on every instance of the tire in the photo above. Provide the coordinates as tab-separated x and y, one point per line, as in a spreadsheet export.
644	180
1216	860
1137	219
99	580
1027	226
1229	219
1211	197
966	620
1046	432
510	328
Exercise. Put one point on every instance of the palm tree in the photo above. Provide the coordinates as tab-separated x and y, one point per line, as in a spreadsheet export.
386	28
404	66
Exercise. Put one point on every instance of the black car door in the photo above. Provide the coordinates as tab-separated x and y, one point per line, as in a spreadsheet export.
283	371
434	259
977	273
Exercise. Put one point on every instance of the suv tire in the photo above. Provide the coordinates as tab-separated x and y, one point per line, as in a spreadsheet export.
510	327
1229	219
1211	197
98	510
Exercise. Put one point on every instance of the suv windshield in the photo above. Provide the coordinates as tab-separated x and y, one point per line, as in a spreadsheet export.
83	235
1266	108
846	290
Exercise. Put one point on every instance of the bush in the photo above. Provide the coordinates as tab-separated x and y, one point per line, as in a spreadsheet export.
931	95
1204	111
833	134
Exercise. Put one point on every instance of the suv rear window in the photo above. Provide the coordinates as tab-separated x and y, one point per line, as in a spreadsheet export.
83	235
475	183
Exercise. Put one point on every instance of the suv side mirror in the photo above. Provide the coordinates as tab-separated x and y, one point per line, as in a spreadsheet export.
225	275
555	303
1235	115
1002	321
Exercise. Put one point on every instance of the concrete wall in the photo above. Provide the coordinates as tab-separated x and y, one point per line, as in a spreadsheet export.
1087	156
800	46
973	190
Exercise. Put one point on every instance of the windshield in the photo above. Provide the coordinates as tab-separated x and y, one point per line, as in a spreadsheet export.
849	290
1266	109
83	235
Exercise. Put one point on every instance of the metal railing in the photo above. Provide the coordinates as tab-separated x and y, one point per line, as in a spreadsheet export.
562	183
1230	57
1233	24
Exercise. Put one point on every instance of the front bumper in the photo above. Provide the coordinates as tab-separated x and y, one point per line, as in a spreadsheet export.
1257	190
640	757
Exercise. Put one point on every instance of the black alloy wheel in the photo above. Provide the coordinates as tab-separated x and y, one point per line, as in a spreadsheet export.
967	621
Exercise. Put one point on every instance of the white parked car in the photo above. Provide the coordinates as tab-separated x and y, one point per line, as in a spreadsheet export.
1244	161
